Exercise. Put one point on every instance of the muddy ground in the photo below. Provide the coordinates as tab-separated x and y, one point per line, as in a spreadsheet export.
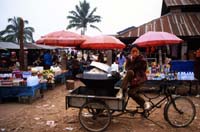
49	114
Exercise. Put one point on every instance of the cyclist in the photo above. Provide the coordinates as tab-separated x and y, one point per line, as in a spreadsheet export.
136	67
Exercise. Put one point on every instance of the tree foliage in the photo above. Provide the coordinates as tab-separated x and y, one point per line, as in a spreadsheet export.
81	17
11	32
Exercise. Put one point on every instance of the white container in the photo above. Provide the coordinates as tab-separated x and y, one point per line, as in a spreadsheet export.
32	81
115	67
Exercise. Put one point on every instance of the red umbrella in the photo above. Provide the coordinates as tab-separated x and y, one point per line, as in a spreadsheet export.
102	42
61	38
157	39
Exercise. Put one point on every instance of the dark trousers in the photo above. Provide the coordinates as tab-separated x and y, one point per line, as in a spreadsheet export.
133	91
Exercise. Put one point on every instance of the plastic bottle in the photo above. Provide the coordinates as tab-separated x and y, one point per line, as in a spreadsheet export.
189	76
192	76
183	74
179	75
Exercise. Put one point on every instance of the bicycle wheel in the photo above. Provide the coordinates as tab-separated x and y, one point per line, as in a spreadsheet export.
94	116
180	113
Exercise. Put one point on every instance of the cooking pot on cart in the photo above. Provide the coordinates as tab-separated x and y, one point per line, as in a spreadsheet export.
100	86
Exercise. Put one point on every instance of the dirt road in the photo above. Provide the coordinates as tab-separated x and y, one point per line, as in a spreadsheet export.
49	114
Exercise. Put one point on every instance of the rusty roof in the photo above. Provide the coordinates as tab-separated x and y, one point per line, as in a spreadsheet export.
180	24
181	2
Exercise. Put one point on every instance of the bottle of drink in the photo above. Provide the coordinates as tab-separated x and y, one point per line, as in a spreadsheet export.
192	75
179	75
175	75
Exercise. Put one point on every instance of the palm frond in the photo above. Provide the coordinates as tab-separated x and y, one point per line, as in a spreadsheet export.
95	27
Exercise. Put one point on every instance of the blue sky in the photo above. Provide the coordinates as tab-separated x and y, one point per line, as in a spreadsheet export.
50	15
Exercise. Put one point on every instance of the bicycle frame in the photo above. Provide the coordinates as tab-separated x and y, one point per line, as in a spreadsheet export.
167	97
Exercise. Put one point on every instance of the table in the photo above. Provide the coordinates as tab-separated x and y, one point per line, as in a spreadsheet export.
21	91
190	83
62	77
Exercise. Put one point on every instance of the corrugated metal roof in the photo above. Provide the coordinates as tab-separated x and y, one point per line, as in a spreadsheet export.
9	45
124	30
37	46
180	24
181	2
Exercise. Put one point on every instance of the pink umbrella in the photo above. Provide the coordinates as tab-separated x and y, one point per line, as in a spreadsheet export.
102	42
153	39
61	38
157	39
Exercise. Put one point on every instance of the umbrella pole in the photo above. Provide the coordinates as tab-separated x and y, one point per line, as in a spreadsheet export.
160	56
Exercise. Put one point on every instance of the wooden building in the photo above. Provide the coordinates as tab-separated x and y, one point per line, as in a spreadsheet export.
180	17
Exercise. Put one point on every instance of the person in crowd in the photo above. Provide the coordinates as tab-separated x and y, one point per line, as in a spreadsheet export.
100	57
114	56
75	66
4	62
136	67
197	65
167	65
33	57
37	62
88	59
55	58
121	60
16	66
47	60
13	58
41	57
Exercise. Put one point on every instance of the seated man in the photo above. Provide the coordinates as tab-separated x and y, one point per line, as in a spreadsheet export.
135	76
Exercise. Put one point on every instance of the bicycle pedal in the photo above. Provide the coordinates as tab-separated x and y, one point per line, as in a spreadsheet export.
140	110
158	106
145	114
133	112
138	107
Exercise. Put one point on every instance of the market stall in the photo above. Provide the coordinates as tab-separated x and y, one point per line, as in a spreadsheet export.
177	71
29	84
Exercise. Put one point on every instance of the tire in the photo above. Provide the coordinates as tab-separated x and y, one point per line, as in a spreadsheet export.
95	116
180	113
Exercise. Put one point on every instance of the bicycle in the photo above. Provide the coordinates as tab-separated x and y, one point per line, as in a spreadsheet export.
96	112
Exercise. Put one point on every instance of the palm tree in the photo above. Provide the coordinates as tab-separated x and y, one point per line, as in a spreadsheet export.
11	32
81	18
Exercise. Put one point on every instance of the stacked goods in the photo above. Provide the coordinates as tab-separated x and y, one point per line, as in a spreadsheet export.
198	53
49	76
6	83
56	70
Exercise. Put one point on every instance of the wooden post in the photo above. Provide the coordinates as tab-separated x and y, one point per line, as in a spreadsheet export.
63	60
21	42
109	57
